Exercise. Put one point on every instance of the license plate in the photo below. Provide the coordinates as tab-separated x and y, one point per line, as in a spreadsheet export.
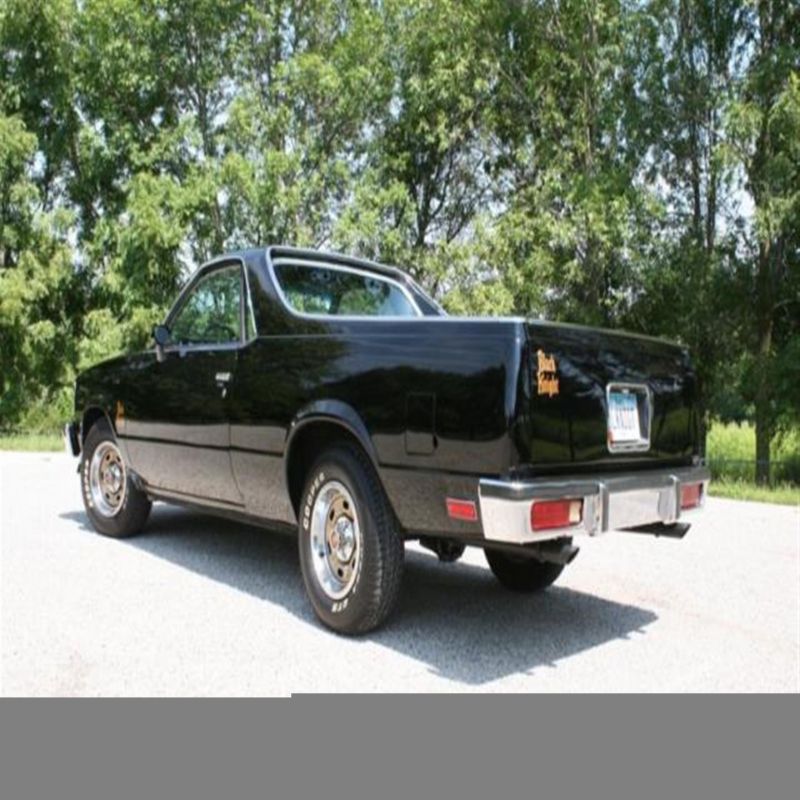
623	417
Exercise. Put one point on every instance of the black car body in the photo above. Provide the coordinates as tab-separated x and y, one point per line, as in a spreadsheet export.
465	423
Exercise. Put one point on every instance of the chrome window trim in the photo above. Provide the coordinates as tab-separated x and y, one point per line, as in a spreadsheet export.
245	338
641	444
301	262
435	303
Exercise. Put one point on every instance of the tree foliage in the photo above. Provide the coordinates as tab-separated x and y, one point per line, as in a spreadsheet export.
612	162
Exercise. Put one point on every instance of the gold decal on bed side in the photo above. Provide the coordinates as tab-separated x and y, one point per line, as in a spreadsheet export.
119	415
546	377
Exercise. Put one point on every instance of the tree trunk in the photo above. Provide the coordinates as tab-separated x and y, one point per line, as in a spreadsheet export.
763	394
763	435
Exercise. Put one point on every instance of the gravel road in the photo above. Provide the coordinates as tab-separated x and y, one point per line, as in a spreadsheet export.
201	606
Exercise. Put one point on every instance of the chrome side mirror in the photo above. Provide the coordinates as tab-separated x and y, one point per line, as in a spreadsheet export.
162	338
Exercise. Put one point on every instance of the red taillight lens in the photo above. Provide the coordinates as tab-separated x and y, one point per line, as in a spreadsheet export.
461	509
547	514
691	494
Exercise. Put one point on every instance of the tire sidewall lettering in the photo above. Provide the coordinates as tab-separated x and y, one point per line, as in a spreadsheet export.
87	495
310	497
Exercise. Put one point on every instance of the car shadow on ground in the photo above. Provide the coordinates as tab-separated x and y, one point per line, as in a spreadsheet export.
455	618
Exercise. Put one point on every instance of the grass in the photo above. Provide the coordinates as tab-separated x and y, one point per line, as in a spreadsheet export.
31	442
731	452
782	494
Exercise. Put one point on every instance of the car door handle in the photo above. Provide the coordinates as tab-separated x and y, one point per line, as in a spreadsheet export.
223	379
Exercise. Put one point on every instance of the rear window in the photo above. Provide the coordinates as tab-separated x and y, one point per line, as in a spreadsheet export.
329	291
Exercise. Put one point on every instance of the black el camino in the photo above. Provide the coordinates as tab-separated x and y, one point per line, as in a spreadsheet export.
332	396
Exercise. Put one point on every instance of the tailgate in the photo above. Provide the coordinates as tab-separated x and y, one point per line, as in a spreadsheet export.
597	396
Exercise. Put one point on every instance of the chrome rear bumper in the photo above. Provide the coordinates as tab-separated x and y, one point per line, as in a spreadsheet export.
610	502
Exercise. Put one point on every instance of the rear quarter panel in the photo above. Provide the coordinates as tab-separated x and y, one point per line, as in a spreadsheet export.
436	397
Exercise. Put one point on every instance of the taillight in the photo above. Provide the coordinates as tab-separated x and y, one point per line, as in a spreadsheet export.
461	509
546	514
691	494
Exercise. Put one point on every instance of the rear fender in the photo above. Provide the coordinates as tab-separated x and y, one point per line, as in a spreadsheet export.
332	412
337	412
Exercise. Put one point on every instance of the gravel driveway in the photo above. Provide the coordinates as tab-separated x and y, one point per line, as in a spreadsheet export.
201	606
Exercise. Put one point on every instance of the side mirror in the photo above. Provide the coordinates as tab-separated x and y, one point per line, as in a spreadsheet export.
162	338
162	335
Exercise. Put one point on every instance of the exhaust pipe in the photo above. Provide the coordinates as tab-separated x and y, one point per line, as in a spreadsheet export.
677	530
555	553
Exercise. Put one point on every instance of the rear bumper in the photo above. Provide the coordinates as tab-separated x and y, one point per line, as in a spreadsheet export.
610	502
72	441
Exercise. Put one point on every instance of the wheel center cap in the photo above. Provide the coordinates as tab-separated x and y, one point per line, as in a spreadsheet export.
113	477
343	539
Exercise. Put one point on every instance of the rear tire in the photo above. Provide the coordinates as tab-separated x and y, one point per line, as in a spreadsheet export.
351	552
521	573
113	503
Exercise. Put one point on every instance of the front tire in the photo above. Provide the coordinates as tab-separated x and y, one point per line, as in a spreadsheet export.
351	552
521	573
113	503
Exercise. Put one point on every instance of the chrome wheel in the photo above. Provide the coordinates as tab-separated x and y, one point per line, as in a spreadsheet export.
335	540
107	479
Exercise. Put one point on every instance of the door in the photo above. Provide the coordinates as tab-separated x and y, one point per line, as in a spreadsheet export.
177	428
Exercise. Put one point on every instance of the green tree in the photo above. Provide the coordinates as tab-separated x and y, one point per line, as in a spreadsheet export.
572	228
39	295
764	124
425	182
611	162
688	283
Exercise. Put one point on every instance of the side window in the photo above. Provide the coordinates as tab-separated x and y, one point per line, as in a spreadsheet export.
312	289
212	312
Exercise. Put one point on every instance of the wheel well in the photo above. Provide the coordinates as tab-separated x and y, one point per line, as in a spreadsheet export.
305	447
90	417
